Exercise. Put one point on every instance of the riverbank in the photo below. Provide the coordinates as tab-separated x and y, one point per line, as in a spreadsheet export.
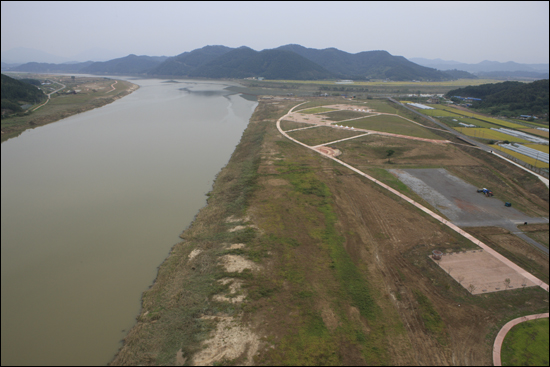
297	260
80	94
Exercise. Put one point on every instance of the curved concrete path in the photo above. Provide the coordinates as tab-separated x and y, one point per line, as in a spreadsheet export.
455	228
497	347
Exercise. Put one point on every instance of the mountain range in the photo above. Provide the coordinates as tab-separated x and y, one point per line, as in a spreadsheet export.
488	69
285	62
23	55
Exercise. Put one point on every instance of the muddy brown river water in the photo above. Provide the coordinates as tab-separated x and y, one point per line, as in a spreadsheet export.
91	206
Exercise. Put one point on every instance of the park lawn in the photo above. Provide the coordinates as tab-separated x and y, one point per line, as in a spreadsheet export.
488	134
392	124
532	161
526	344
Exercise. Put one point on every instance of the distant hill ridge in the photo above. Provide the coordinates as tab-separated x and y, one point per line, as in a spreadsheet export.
15	92
489	69
285	62
509	98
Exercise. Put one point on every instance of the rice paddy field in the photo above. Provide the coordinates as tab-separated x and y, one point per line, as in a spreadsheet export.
483	133
539	147
533	162
544	134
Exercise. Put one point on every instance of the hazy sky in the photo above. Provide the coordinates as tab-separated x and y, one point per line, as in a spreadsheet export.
462	31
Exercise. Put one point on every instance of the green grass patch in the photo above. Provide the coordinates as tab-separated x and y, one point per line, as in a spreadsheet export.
432	321
526	344
346	115
312	111
381	105
392	124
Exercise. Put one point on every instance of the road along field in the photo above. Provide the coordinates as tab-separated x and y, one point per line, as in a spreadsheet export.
335	268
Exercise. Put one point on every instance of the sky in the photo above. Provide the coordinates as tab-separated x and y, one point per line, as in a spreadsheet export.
461	31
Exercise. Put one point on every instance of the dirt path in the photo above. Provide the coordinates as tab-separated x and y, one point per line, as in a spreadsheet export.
112	86
455	228
505	329
49	95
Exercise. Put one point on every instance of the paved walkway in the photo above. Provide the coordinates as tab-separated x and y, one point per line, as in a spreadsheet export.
497	347
488	249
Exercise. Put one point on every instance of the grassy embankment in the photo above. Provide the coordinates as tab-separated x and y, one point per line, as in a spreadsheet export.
343	271
94	92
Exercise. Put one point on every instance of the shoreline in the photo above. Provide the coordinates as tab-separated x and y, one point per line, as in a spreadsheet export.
8	132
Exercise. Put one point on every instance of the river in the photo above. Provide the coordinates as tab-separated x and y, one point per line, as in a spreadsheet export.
91	206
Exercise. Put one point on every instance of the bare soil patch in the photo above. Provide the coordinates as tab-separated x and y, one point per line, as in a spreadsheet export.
479	272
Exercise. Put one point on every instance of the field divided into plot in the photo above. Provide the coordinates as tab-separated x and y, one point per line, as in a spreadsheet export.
322	135
392	124
291	125
479	120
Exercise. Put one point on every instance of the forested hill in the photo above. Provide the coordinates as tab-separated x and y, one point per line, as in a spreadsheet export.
131	64
367	64
244	62
285	62
509	98
15	93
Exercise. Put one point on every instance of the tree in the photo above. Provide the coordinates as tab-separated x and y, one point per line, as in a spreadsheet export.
472	288
506	283
389	153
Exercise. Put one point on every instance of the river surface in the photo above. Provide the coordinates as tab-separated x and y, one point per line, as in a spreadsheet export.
91	206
